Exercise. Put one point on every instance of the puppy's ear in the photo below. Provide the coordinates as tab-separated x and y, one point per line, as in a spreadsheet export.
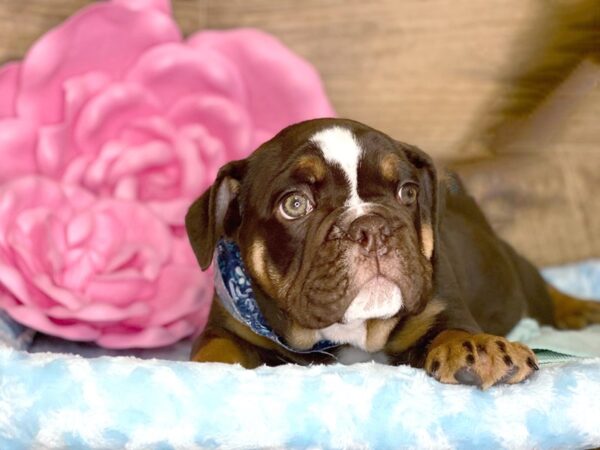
216	212
428	197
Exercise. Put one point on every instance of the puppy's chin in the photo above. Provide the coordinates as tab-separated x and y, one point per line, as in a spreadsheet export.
378	298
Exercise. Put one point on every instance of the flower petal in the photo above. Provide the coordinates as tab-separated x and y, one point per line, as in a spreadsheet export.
222	118
39	321
173	71
147	337
17	149
106	37
104	116
9	83
282	88
100	312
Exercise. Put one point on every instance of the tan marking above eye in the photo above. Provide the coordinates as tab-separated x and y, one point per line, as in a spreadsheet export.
389	166
311	167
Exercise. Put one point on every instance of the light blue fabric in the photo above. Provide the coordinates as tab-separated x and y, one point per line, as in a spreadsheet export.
70	402
50	400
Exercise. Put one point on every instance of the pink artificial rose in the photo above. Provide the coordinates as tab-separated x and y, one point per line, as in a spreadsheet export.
115	102
105	270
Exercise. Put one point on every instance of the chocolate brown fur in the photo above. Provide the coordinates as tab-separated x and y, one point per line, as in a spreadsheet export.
437	249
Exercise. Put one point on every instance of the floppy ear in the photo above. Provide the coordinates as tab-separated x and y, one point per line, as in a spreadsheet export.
215	213
428	197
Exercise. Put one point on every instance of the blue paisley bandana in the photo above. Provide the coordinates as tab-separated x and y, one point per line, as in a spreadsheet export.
235	292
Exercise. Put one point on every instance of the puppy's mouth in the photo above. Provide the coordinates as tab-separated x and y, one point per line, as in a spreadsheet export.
378	298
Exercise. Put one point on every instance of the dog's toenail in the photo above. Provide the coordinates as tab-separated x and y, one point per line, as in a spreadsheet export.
508	360
531	363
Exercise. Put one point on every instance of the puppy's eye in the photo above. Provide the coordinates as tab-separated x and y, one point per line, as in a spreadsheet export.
408	193
295	205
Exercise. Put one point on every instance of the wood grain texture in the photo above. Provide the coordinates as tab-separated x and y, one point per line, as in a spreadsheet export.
437	73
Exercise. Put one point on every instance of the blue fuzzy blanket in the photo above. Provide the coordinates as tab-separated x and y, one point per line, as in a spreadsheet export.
50	400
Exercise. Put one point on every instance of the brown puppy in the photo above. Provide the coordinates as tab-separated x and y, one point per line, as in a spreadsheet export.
355	250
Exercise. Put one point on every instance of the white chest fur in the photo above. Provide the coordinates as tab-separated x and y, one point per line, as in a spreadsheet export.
378	299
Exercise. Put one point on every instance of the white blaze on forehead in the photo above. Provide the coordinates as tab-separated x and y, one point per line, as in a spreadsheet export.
340	147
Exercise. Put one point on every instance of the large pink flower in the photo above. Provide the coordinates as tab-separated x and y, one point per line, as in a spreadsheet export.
105	270
116	102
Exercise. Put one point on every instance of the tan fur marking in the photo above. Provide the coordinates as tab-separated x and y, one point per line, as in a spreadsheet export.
225	350
415	328
427	240
573	313
300	337
389	166
268	276
312	167
378	332
258	267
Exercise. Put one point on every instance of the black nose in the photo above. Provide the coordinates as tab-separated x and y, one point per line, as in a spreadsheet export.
370	232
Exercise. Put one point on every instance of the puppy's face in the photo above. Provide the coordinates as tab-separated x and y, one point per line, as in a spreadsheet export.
335	222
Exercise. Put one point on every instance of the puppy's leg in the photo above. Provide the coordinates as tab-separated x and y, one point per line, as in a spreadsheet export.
572	313
483	360
219	345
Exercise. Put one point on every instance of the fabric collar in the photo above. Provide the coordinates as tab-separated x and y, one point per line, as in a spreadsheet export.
235	293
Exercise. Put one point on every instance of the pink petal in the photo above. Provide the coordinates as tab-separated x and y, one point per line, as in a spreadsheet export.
117	290
104	116
53	149
139	227
81	88
79	228
136	159
182	290
9	84
38	320
59	295
100	312
103	37
223	119
174	71
17	149
282	87
12	280
212	151
146	338
171	211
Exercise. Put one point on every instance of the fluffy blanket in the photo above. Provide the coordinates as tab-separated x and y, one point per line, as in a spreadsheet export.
50	400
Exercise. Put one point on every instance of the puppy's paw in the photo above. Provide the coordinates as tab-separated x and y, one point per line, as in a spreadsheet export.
483	360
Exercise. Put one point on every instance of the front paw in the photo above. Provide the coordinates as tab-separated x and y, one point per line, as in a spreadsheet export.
483	360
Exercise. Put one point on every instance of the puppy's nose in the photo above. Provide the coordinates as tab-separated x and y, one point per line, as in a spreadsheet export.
370	232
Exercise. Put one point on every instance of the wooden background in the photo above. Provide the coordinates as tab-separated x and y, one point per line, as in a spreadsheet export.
505	91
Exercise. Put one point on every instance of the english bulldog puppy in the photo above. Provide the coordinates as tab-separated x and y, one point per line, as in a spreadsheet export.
334	242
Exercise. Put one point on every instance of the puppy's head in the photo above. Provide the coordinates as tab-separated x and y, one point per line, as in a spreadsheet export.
335	222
